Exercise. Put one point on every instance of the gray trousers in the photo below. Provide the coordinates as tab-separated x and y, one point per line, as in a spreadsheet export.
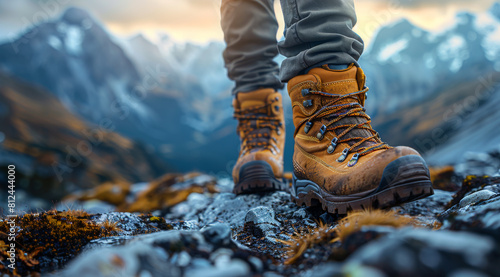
317	32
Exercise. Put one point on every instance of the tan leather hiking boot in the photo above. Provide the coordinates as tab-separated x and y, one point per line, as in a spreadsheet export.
261	129
339	161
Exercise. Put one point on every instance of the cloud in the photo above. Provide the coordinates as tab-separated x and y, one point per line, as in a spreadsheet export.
199	20
428	3
420	3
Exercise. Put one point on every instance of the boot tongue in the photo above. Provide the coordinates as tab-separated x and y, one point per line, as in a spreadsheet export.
342	82
253	99
345	78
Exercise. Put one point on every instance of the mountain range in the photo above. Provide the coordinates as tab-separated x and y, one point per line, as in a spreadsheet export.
435	91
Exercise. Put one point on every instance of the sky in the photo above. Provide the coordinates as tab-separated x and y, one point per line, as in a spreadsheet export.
199	20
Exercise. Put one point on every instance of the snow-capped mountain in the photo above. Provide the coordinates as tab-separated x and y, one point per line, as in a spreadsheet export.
133	88
175	96
76	59
415	64
195	73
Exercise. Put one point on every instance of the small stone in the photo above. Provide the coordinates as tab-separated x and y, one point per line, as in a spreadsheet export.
182	259
257	263
260	215
221	257
234	268
200	263
413	250
261	222
301	213
217	233
327	218
476	197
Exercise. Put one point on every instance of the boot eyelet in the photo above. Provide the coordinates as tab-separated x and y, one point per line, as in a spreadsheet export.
332	146
305	92
308	127
342	157
307	103
321	134
278	132
277	108
353	160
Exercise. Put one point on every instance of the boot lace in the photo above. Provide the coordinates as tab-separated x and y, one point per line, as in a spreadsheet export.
255	126
336	110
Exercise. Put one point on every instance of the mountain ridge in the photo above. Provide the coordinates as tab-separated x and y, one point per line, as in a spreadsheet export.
177	100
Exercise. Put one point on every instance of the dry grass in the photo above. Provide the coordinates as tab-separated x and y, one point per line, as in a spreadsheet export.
110	226
301	241
356	220
305	239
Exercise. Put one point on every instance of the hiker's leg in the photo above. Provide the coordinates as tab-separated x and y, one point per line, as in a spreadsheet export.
339	160
250	29
318	32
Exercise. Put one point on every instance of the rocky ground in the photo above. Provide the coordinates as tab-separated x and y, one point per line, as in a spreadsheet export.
192	225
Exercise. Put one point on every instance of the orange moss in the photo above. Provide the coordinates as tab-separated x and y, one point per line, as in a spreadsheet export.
167	191
52	234
112	192
441	178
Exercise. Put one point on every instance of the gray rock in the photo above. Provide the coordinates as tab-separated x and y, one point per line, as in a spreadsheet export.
420	252
107	242
168	253
261	215
231	209
483	215
217	233
300	213
476	197
121	261
271	274
127	222
467	273
199	263
191	208
329	269
261	221
181	259
236	268
221	256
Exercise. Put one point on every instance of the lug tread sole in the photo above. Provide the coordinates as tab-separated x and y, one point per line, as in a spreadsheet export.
387	198
258	177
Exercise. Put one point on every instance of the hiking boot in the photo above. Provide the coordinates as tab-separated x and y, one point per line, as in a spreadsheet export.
339	161
261	129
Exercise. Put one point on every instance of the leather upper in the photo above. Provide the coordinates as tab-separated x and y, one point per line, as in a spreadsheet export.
311	160
267	104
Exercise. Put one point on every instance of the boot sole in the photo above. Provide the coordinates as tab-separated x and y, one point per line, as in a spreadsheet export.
257	177
404	180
